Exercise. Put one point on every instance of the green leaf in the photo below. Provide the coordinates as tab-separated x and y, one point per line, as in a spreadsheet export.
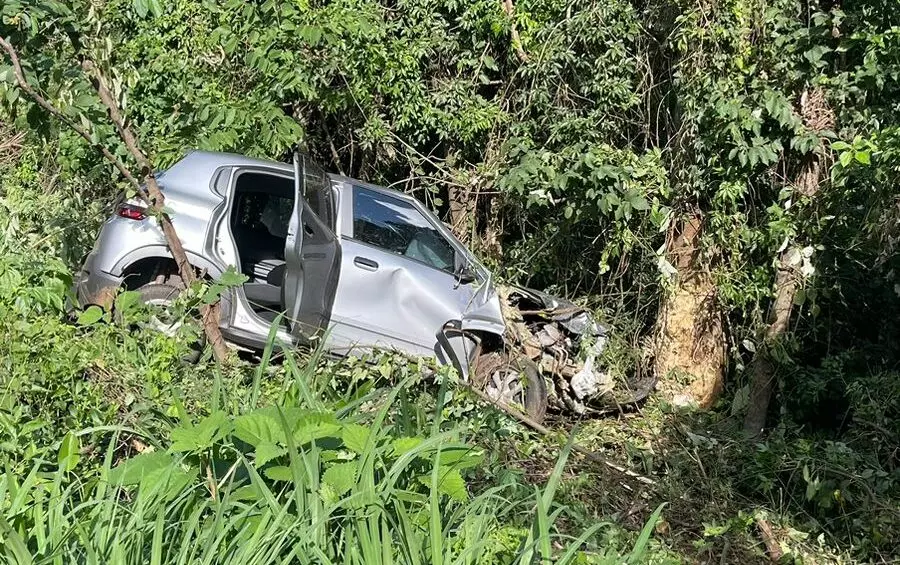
212	294
140	8
845	158
84	102
355	437
155	7
15	545
90	316
461	457
202	436
840	146
127	300
267	451
863	157
341	477
450	483
405	445
264	426
279	473
69	452
640	546
814	55
231	278
131	471
638	202
311	34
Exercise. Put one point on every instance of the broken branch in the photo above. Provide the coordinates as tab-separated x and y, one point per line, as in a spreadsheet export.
595	457
772	546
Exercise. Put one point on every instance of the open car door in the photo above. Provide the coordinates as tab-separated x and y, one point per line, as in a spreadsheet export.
312	252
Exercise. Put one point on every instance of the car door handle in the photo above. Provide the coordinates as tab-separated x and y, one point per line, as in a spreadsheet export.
366	264
308	230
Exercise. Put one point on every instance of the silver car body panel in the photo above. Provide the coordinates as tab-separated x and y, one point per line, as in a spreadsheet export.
400	304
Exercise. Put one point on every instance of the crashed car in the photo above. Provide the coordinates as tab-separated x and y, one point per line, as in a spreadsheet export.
341	263
338	262
567	343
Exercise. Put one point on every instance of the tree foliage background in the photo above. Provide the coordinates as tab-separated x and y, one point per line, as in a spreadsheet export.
567	142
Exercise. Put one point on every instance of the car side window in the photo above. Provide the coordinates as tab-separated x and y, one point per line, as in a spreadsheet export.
393	225
263	212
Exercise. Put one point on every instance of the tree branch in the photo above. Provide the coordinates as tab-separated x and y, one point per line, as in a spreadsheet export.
510	11
43	103
154	196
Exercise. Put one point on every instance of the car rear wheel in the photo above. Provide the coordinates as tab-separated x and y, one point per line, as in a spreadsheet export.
160	297
514	382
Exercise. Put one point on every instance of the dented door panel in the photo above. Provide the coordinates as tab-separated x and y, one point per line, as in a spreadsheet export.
387	301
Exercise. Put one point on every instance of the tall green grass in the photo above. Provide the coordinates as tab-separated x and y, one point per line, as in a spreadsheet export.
305	480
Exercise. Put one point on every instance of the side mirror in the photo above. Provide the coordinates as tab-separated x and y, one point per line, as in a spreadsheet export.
464	275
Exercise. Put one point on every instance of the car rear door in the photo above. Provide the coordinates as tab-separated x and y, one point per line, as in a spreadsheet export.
312	253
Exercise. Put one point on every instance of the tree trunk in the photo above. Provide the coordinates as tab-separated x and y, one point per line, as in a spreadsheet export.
816	116
209	312
762	368
690	350
462	212
154	197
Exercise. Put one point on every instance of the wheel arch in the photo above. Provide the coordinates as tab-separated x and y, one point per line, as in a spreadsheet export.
458	344
145	265
142	265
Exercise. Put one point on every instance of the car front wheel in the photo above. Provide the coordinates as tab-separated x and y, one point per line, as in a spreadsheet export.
514	382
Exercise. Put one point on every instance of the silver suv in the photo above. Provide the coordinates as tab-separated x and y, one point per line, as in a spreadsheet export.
357	265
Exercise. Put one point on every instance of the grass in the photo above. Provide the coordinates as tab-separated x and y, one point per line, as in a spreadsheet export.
306	476
436	477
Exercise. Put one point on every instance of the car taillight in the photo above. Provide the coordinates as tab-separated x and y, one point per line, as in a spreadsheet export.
131	212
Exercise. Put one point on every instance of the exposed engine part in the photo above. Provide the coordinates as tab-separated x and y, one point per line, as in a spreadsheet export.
567	343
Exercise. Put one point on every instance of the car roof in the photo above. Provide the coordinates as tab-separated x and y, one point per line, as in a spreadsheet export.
383	189
199	164
192	177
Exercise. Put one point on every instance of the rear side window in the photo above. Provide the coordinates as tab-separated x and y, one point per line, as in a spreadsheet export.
393	225
263	204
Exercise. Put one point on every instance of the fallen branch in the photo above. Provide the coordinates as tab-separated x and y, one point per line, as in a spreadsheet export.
592	456
773	548
154	197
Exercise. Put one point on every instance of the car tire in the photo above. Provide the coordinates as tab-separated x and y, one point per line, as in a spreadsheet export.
500	377
164	294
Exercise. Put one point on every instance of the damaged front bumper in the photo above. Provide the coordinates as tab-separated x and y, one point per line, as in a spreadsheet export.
567	342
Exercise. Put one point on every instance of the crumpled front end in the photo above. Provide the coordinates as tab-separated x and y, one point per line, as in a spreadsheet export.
567	342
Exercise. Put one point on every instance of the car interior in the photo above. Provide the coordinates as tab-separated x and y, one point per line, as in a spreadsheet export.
262	209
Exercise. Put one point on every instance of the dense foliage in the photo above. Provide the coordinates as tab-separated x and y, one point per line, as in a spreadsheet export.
566	142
